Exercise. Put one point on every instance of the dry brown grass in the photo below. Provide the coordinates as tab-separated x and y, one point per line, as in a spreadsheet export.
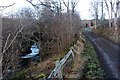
111	34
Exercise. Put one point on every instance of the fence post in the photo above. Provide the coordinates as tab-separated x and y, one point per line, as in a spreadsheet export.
73	55
57	72
59	75
56	62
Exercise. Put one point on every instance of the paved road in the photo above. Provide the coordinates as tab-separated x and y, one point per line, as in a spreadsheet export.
108	54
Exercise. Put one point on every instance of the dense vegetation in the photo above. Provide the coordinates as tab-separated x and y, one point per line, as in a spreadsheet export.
54	26
108	33
42	69
48	25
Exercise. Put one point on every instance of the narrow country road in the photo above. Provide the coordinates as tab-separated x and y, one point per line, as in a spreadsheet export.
108	54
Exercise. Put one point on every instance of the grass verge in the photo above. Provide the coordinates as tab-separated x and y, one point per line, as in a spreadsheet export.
92	68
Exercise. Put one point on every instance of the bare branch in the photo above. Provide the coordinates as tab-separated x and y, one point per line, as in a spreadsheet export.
65	3
29	39
41	3
31	3
7	47
4	7
6	42
12	41
75	3
7	6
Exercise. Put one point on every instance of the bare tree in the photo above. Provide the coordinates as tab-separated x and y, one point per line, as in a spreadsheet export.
7	45
112	10
55	25
103	20
102	11
108	10
1	52
73	5
117	3
94	9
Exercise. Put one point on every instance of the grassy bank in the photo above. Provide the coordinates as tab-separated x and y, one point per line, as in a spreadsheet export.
44	67
85	63
111	34
92	69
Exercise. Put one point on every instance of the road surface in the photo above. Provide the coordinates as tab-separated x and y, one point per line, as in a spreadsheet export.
108	54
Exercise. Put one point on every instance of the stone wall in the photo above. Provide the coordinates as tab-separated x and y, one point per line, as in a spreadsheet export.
0	48
0	35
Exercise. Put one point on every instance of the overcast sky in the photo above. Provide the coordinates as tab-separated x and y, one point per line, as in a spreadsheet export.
82	7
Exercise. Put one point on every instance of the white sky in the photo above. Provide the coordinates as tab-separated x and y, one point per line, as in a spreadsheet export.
82	7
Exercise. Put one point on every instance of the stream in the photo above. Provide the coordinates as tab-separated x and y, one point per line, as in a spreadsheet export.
34	56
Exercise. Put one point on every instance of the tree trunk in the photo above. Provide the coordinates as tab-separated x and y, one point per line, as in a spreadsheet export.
116	14
108	13
111	4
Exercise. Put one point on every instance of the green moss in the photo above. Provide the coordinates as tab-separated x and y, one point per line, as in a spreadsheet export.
20	74
56	59
41	76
